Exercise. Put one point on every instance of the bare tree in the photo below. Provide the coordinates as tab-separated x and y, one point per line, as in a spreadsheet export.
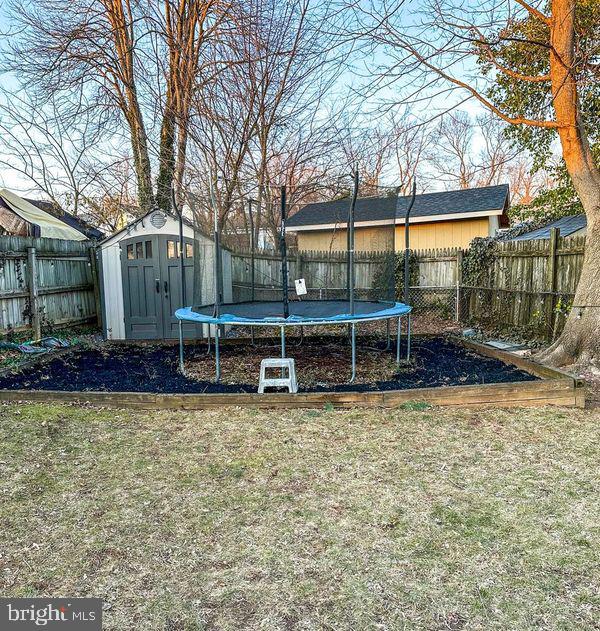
456	159
184	26
87	45
118	52
56	153
256	122
526	183
498	152
526	48
411	142
111	202
452	153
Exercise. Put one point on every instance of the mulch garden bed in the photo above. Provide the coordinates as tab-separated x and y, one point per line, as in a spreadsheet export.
322	364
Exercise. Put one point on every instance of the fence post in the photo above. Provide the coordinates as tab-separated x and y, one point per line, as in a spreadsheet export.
32	284
459	262
96	282
551	278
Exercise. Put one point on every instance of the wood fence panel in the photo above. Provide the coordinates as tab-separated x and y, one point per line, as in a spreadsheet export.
437	268
530	281
60	292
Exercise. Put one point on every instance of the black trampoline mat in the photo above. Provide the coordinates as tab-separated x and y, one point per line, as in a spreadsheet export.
301	308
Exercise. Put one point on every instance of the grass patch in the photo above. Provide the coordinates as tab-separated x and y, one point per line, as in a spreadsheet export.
346	519
415	406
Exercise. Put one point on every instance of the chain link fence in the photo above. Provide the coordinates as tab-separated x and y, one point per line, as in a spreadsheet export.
438	301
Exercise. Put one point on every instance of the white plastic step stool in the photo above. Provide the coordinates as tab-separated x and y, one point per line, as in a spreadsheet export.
288	382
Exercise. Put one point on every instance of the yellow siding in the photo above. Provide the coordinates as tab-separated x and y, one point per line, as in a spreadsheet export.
443	234
423	236
365	239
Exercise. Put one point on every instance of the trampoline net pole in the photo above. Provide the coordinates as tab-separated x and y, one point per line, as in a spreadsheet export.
217	356
181	273
350	228
353	342
398	338
407	243
218	283
283	250
408	333
252	247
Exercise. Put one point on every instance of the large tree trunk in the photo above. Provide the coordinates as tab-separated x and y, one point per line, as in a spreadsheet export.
120	17
141	161
166	158
580	339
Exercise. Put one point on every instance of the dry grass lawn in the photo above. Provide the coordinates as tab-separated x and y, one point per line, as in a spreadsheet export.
242	519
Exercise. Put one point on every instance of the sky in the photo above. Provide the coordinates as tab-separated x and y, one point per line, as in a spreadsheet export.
357	77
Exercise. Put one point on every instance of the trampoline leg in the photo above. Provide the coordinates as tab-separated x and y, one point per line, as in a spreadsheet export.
398	337
217	357
408	337
208	338
388	335
252	335
353	341
282	348
181	366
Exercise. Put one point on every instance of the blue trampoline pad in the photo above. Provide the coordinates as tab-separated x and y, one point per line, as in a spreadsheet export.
301	312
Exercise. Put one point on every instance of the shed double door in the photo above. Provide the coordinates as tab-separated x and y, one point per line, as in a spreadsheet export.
152	287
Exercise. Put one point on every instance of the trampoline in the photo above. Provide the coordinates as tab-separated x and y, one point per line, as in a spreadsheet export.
299	312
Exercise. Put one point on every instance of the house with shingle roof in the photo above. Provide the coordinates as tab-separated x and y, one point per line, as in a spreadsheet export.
571	226
437	220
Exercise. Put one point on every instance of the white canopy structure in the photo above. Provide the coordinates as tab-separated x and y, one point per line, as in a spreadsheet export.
48	225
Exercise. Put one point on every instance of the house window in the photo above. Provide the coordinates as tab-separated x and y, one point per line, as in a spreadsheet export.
130	253
139	250
189	250
171	253
148	249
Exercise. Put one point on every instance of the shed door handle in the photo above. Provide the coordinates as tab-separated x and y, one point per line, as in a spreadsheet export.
166	287
157	285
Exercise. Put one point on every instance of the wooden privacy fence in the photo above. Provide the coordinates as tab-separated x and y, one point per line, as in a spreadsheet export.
325	273
528	285
46	282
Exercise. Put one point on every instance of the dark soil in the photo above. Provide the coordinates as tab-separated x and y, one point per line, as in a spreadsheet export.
436	361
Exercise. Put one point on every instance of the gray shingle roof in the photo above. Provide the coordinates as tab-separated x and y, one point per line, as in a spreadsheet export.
566	225
382	208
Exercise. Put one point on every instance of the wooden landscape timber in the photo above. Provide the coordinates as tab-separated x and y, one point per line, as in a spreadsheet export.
554	388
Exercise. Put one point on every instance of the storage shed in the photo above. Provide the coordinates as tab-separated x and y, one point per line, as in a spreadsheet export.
140	278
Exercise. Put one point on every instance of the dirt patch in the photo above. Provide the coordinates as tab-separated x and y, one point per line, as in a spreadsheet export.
322	364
